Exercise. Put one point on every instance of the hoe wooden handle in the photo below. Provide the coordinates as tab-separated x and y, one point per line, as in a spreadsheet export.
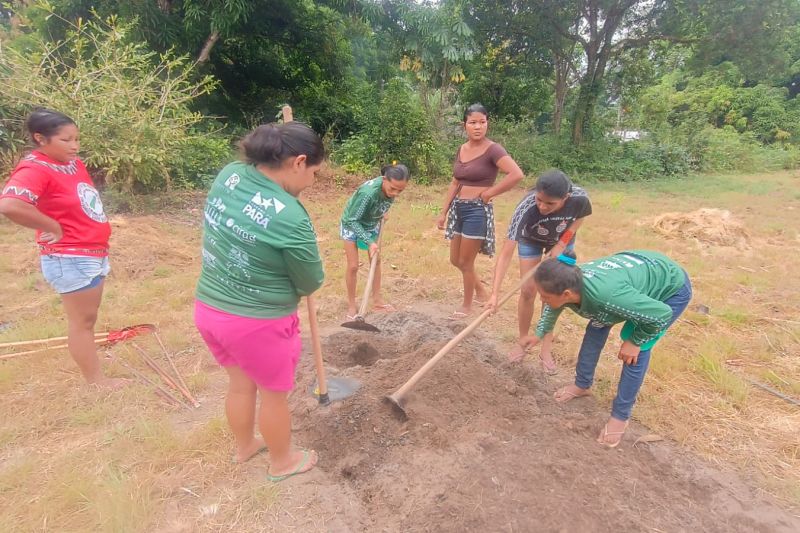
322	383
398	395
373	264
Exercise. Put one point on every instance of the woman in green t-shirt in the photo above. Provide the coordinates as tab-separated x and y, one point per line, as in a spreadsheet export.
363	215
260	256
646	290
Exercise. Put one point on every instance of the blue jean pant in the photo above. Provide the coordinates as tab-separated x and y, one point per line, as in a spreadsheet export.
632	376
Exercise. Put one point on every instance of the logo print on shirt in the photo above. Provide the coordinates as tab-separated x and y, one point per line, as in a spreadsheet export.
238	263
256	209
561	226
213	217
232	181
240	233
91	203
267	202
217	204
541	230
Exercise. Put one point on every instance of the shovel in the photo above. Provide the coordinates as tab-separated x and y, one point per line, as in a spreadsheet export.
397	399
358	322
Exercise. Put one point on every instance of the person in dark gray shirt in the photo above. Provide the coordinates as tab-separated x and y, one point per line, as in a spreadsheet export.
544	223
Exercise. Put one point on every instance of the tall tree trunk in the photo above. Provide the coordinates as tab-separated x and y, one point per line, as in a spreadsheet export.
591	85
205	53
561	88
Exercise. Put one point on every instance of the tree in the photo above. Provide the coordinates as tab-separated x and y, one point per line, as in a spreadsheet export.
606	28
435	43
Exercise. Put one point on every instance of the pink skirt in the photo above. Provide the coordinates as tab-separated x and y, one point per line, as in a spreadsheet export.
266	349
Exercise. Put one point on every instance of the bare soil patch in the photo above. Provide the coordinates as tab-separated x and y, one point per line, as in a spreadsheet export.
486	449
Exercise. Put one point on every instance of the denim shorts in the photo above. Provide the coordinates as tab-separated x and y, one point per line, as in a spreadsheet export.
349	235
529	250
470	219
71	273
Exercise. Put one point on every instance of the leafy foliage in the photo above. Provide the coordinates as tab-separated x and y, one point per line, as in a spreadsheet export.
132	106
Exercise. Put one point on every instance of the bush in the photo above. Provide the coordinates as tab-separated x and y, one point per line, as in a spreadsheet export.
724	149
399	131
600	159
131	105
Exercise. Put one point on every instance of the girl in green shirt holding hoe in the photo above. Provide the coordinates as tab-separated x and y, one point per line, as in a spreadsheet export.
645	290
363	215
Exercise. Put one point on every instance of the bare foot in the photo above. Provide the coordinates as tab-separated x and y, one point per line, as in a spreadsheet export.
300	461
517	352
253	448
382	307
612	432
570	392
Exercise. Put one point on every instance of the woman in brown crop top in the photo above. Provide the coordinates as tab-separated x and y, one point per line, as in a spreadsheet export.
467	214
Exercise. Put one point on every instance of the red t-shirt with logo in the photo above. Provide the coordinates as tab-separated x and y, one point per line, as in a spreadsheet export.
66	193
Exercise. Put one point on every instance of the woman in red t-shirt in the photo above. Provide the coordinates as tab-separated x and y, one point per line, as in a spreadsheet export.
51	192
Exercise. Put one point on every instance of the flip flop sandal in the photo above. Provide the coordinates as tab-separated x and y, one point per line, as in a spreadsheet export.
298	470
351	317
457	315
550	371
570	395
261	450
606	433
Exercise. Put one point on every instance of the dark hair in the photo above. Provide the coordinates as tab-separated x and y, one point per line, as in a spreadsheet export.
554	276
46	122
554	184
396	171
271	144
475	108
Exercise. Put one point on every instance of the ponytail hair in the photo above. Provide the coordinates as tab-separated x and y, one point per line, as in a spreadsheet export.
46	122
556	275
396	171
271	144
554	184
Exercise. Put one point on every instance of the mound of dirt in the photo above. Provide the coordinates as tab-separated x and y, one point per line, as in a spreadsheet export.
485	448
706	226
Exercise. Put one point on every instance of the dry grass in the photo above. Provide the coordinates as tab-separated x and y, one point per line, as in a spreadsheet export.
71	460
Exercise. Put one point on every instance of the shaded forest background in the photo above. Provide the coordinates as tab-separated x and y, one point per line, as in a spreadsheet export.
604	89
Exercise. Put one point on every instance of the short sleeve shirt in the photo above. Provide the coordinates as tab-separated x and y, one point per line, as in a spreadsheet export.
260	251
481	171
530	226
64	192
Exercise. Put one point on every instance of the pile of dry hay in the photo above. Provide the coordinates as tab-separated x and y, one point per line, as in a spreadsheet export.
707	226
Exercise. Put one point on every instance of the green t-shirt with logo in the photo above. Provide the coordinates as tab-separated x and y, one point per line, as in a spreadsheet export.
364	211
628	287
260	251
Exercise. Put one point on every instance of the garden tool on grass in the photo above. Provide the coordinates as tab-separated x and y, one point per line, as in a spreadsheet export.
110	337
397	399
326	390
358	322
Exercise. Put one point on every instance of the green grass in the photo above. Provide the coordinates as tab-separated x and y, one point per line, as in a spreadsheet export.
724	382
